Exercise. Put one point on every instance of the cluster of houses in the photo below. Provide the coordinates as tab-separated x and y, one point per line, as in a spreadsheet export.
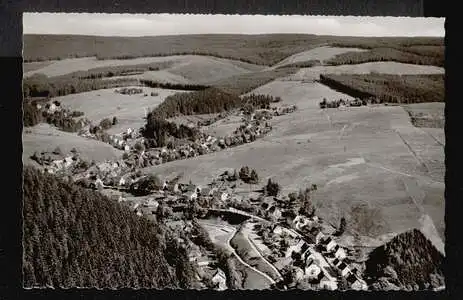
54	166
341	102
321	264
56	162
336	256
319	260
129	91
119	141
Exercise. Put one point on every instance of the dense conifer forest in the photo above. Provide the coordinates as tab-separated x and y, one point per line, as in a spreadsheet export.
78	237
389	88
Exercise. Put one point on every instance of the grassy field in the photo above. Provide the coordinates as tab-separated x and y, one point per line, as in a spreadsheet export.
244	249
30	67
427	115
320	54
389	88
129	109
43	137
203	67
313	146
258	49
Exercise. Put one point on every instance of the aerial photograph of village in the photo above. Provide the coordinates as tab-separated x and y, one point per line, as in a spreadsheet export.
233	152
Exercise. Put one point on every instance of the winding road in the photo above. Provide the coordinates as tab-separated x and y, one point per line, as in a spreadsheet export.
245	263
233	251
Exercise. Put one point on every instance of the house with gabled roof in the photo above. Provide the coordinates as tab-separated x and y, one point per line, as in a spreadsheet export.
314	273
344	268
326	283
191	195
340	253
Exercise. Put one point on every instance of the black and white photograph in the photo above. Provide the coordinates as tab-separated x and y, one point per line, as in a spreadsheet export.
233	152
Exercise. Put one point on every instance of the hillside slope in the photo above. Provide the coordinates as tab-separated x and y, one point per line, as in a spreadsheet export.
409	261
77	237
263	49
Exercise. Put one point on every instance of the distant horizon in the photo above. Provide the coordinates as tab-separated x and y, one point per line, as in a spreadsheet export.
198	34
149	25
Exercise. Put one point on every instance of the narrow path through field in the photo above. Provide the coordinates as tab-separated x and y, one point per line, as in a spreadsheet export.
415	155
434	138
424	178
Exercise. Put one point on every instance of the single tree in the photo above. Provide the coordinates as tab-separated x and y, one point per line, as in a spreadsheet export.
253	177
272	188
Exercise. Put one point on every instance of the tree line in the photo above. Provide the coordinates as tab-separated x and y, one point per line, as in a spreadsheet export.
389	88
78	237
257	49
158	132
208	101
173	86
402	55
39	85
63	119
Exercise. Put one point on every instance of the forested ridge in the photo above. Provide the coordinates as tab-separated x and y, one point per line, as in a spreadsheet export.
389	88
78	237
408	261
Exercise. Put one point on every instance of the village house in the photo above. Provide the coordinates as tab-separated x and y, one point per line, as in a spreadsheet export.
279	230
99	183
275	212
191	196
152	203
224	196
344	268
314	273
328	284
356	284
220	280
281	263
295	247
331	245
176	189
165	185
336	262
203	261
340	253
320	236
194	254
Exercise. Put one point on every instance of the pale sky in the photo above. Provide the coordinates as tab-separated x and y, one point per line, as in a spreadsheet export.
171	24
